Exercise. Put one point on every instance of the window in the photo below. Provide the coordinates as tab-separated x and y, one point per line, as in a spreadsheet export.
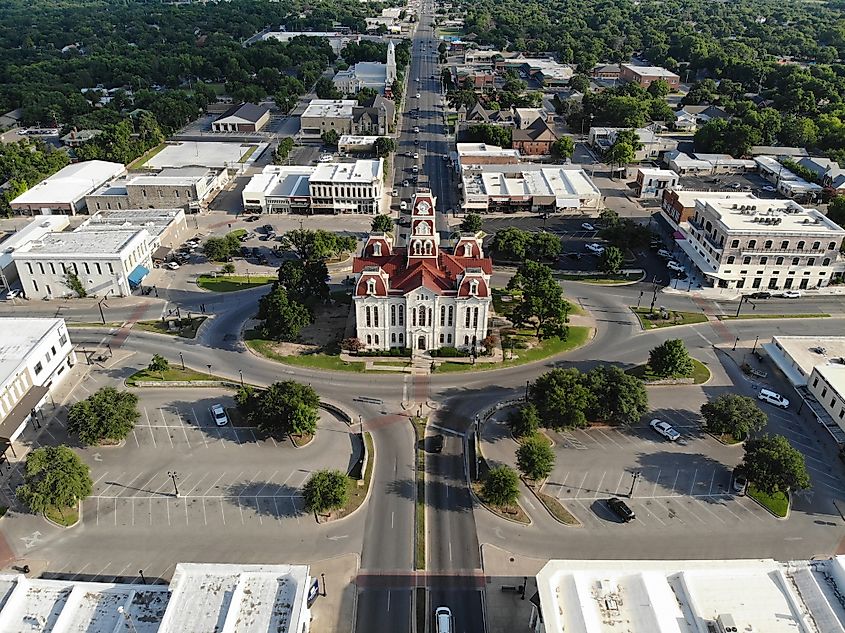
52	269
99	270
368	317
377	249
466	341
779	261
413	317
401	338
752	244
41	268
376	339
451	311
763	261
63	340
746	260
401	315
831	246
38	368
475	317
375	316
768	244
811	261
393	337
731	259
801	245
784	244
369	340
422	316
449	339
87	268
467	251
111	270
826	261
473	287
371	286
53	349
815	382
816	245
441	338
442	317
734	243
824	392
795	261
466	317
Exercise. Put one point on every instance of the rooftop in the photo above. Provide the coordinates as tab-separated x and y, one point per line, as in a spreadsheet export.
154	221
483	149
763	596
808	352
333	108
560	181
349	139
203	154
17	338
71	183
687	197
657	173
35	230
88	242
245	111
363	171
650	71
775	216
277	181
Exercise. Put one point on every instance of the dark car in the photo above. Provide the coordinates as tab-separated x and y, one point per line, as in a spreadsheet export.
574	255
437	443
268	228
255	251
252	218
244	251
621	509
760	295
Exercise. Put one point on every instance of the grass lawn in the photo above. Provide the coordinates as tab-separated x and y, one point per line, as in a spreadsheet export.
63	516
357	488
556	509
675	318
188	328
231	283
143	158
514	513
247	154
599	279
777	504
700	373
301	440
419	540
727	438
317	361
728	317
578	336
173	373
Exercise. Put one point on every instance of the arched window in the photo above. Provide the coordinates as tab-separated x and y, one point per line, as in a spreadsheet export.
451	311
375	316
795	261
764	261
466	341
816	245
376	339
768	244
466	317
401	315
467	250
369	340
826	261
371	286
422	317
442	316
801	245
473	287
368	318
377	249
401	338
746	260
752	243
475	318
811	261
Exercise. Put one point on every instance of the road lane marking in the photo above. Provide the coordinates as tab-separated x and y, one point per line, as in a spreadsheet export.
712	479
657	479
577	492
598	488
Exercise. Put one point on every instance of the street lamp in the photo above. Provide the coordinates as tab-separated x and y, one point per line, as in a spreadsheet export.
527	384
209	367
182	358
173	477
736	340
242	378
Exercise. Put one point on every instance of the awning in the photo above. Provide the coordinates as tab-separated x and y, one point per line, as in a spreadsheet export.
161	253
137	275
14	423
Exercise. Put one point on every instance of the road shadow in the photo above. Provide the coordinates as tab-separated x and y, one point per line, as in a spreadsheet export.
267	499
403	488
711	478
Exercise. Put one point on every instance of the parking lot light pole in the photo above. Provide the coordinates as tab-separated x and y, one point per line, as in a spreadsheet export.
527	384
173	477
742	300
633	484
182	358
736	340
242	378
753	349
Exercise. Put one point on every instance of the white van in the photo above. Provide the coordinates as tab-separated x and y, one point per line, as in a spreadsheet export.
443	620
773	398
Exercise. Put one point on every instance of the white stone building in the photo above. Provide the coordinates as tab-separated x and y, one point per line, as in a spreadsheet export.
419	296
35	357
373	75
65	191
761	244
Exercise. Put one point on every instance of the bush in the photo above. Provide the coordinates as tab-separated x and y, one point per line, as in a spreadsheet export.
393	351
535	458
449	352
501	486
325	490
352	344
525	421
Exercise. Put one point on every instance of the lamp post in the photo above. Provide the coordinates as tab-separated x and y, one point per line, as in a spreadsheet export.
736	340
143	580
173	477
633	484
527	385
209	367
242	378
753	349
182	358
323	576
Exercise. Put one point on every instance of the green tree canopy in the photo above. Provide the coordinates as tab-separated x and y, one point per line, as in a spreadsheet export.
671	358
501	486
286	408
541	300
544	246
735	415
384	145
305	281
107	414
525	421
382	224
561	398
610	260
325	490
471	223
535	458
658	89
219	249
773	465
511	243
313	245
330	137
490	134
158	363
54	477
618	398
283	317
564	147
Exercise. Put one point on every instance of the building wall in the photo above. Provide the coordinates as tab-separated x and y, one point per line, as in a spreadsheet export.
653	187
50	209
533	148
828	396
45	276
645	80
334	197
313	127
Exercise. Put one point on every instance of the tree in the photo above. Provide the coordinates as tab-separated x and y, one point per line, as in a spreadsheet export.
283	317
312	245
383	145
620	154
283	149
525	421
471	223
382	224
74	283
535	458
107	414
541	300
511	243
544	246
287	408
658	89
501	487
579	83
490	134
55	477
228	268
219	249
670	358
836	210
610	260
305	281
773	465
617	397
330	137
561	398
325	89
352	344
325	490
564	147
159	364
735	415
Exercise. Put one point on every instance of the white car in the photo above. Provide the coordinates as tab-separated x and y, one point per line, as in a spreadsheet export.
665	429
13	294
673	265
791	294
218	414
443	620
768	188
326	158
587	226
416	130
664	254
172	265
596	249
416	154
417	95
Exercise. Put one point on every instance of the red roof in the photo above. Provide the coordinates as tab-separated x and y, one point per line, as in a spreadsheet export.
438	275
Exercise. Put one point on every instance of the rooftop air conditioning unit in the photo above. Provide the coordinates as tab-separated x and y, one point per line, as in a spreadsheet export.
726	623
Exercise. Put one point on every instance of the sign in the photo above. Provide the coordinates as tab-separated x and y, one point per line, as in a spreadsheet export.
313	592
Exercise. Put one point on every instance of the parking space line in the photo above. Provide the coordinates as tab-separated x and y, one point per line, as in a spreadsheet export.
678	507
657	518
167	503
723	503
578	491
204	515
215	483
703	505
656	480
133	512
741	504
674	483
238	500
110	484
692	484
712	479
598	488
621	477
194	487
135	435
612	441
96	481
98	511
185	504
151	510
222	513
185	431
296	511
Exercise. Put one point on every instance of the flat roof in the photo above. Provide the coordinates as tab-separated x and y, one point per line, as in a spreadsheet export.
650	70
18	336
329	108
790	217
528	180
801	350
687	596
94	242
154	221
35	230
70	184
657	173
687	197
483	149
280	181
363	171
203	154
350	139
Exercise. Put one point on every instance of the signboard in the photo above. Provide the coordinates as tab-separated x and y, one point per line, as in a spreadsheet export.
313	592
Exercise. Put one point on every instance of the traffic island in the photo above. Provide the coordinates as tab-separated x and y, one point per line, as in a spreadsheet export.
419	509
778	504
63	517
700	375
167	378
233	283
513	513
651	319
183	328
552	505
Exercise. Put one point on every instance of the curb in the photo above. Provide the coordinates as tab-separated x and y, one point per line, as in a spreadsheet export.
487	507
72	525
788	507
542	503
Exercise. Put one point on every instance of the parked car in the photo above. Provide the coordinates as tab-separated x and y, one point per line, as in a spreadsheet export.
326	158
574	255
252	218
621	509
437	443
255	251
665	429
417	95
405	183
416	141
403	205
673	265
244	251
760	295
14	293
595	249
416	155
740	483
768	188
664	254
791	294
681	274
218	414
587	226
773	397
267	228
443	620
172	265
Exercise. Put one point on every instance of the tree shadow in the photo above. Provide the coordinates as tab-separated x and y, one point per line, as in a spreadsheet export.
403	488
267	499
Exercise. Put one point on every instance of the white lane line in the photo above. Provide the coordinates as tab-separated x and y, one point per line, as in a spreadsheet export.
135	435
215	483
674	483
712	479
578	491
392	516
167	503
450	551
703	505
98	511
196	485
612	441
151	511
657	479
240	507
222	514
204	515
133	512
98	479
185	504
692	484
598	488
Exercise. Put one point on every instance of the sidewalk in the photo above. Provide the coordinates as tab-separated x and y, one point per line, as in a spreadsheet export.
335	612
507	611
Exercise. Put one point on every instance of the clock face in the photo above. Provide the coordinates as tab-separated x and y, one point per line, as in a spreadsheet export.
423	208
